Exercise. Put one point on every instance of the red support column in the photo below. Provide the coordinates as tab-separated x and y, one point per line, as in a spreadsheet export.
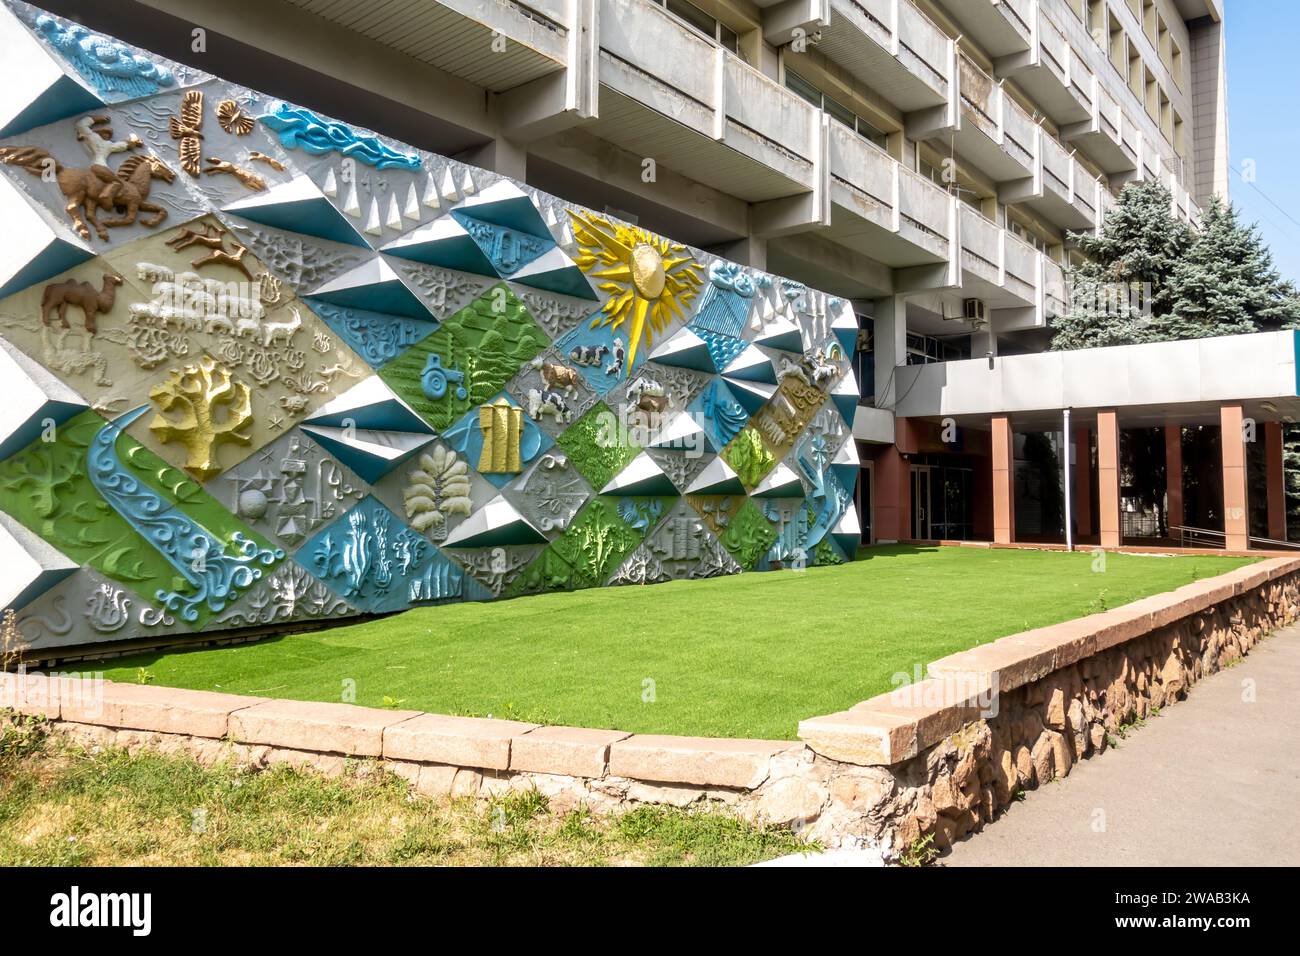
1004	481
1276	481
1108	478
892	517
1236	521
1174	476
1082	499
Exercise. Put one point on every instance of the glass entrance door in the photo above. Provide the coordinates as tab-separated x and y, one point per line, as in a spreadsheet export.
921	502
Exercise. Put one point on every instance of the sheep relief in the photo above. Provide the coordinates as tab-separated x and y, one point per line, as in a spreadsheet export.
274	367
190	319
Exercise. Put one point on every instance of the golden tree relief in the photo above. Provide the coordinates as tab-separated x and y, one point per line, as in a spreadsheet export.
202	407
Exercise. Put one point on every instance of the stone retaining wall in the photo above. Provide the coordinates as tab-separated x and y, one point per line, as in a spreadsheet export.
943	756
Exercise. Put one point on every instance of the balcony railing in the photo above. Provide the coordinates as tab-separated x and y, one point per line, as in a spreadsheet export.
923	46
1055	49
1020	13
861	177
1110	117
988	108
923	211
1056	167
1020	265
920	73
1106	201
866	172
877	19
640	33
1082	80
981	244
769	109
979	94
711	91
1053	289
557	11
1019	131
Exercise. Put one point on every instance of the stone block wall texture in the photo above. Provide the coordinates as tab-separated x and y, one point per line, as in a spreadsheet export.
262	366
1063	693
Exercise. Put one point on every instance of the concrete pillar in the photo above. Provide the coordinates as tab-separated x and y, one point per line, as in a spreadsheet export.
500	155
1174	476
1236	515
1004	481
1082	499
892	518
1108	520
1276	471
983	343
890	343
750	251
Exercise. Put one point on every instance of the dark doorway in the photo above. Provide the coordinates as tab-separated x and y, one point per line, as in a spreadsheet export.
1203	477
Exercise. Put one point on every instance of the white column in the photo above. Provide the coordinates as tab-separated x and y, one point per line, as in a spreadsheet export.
889	340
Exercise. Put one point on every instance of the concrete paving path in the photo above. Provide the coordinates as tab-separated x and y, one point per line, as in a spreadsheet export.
1212	781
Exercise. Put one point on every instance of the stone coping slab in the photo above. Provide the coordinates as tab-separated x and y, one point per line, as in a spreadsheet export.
167	710
321	727
479	742
1279	567
861	737
30	693
572	751
702	761
1248	577
880	732
898	724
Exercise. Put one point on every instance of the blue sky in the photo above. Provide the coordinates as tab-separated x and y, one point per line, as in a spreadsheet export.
1263	96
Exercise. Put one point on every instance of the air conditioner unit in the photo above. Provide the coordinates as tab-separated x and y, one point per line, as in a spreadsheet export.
972	311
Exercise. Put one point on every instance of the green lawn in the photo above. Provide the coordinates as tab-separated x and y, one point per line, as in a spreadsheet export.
745	656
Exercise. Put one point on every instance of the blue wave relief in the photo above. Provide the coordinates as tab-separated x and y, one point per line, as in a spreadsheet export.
216	577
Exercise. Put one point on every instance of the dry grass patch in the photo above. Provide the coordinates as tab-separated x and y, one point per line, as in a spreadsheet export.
62	805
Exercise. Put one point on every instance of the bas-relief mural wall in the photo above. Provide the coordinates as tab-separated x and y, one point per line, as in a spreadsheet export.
267	367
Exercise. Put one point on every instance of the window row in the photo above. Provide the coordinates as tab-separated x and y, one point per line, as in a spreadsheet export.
1109	33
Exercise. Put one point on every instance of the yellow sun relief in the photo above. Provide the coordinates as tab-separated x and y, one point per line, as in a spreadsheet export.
649	280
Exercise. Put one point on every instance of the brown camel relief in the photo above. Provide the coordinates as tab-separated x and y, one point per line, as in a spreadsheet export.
91	301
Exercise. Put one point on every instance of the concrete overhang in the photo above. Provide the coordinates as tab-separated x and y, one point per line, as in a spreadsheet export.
288	52
868	48
1151	384
873	425
997	27
1195	9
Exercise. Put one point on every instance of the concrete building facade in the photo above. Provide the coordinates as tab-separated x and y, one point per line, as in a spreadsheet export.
925	159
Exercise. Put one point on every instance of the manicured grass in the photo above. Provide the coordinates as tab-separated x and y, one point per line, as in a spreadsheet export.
65	806
745	656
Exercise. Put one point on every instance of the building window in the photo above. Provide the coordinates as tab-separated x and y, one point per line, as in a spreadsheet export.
1025	235
712	28
1149	19
864	361
1118	47
927	349
1096	21
966	194
835	110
